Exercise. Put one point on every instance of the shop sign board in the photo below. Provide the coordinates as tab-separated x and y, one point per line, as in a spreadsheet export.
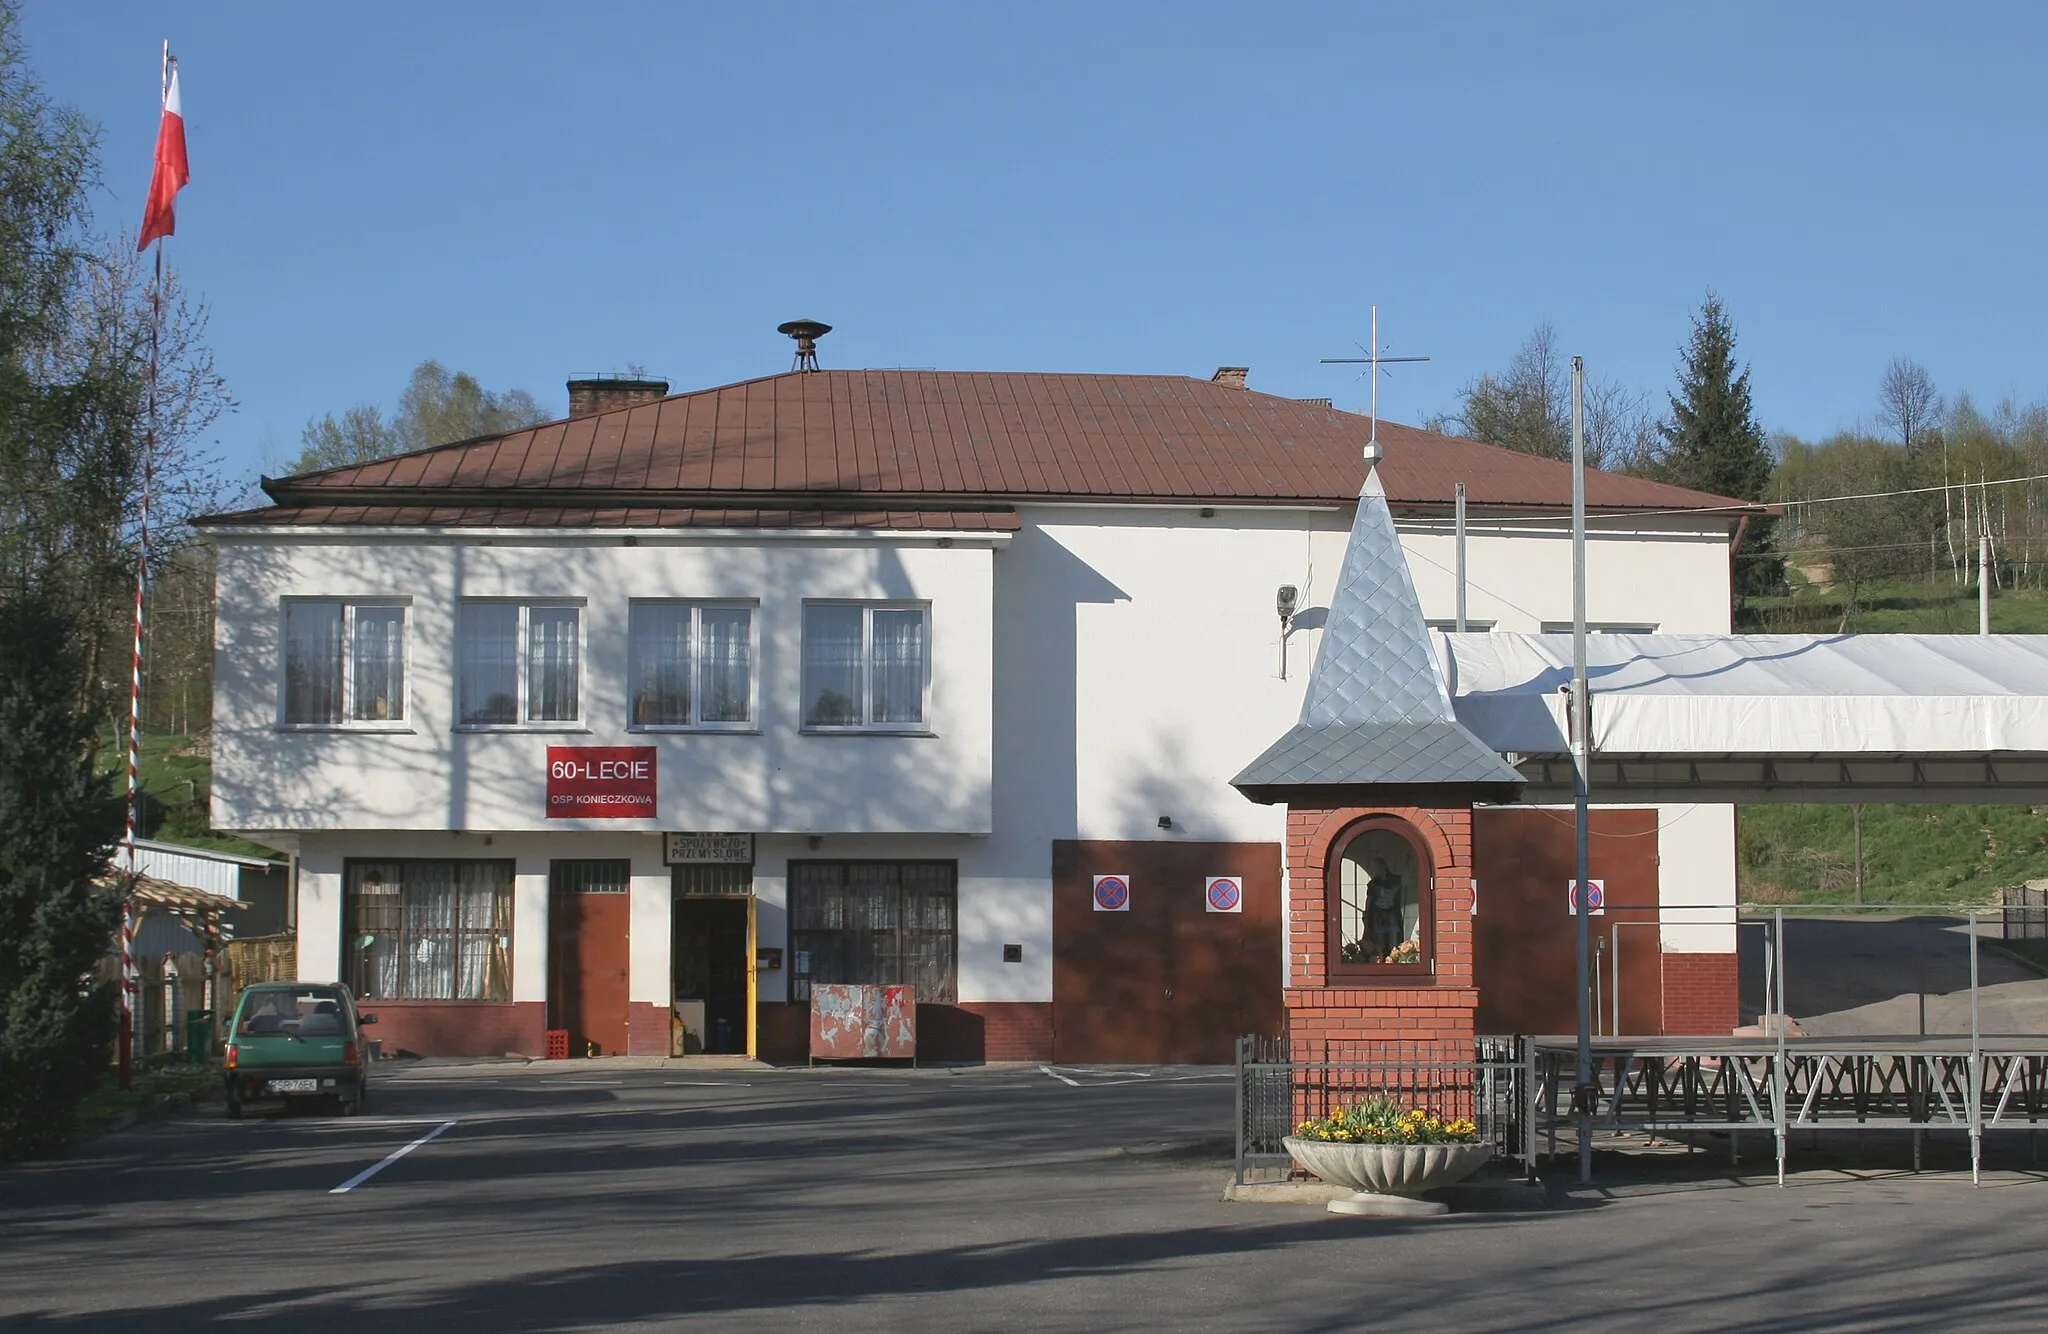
698	849
601	783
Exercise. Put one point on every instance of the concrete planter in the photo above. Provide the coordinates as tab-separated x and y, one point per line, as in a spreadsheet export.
1387	1177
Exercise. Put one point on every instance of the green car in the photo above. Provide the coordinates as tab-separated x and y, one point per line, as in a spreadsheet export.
293	1040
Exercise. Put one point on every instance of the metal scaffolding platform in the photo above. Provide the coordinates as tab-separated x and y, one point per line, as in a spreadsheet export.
1781	1084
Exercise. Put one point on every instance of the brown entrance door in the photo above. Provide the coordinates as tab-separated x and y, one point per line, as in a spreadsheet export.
1168	980
589	912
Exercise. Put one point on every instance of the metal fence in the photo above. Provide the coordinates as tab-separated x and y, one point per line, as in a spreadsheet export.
169	987
1280	1085
2026	910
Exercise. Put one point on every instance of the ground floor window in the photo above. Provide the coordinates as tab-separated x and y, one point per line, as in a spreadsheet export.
887	923
429	930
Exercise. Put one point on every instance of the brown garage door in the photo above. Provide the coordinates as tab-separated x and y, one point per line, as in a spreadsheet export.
1524	945
1167	981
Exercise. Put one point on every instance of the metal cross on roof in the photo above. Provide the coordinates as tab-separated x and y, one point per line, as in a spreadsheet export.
1374	360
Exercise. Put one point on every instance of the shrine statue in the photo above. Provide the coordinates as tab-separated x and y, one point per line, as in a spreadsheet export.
1385	893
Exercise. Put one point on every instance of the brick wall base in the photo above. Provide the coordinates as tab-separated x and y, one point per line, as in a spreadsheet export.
647	1029
1013	1030
457	1028
1702	994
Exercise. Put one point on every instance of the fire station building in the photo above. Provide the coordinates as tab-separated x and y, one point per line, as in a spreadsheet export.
641	723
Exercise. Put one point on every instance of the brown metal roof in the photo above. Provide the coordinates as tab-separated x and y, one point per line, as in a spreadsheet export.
856	441
615	516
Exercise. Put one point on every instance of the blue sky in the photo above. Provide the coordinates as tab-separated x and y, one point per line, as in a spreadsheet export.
524	191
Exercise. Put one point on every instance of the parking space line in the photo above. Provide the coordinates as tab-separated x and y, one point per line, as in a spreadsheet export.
1070	1083
368	1172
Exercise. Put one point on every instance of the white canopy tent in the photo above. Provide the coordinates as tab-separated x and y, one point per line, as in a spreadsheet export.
1766	718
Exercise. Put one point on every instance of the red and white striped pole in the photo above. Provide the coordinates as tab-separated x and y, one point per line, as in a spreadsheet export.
131	977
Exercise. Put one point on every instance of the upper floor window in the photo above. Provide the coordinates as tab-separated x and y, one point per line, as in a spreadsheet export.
866	666
692	664
1449	625
344	662
518	662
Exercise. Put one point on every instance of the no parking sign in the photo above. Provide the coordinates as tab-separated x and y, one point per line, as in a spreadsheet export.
1595	895
1112	893
1225	893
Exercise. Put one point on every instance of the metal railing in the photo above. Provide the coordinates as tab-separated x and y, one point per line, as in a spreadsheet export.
1281	1084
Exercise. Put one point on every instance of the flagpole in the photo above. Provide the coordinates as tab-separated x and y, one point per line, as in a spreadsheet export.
131	980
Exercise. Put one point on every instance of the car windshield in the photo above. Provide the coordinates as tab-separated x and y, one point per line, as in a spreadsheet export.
303	1012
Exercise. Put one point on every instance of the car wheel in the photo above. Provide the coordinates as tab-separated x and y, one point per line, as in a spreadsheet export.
234	1108
352	1105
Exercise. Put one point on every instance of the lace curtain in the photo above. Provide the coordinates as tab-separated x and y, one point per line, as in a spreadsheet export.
487	663
312	662
551	664
377	666
832	666
661	664
897	666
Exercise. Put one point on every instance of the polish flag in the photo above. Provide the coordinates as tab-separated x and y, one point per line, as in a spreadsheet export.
160	218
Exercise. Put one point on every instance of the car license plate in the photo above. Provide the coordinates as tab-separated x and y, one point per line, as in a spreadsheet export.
291	1086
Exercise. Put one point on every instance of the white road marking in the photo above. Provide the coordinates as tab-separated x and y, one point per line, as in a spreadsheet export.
1070	1083
368	1172
705	1084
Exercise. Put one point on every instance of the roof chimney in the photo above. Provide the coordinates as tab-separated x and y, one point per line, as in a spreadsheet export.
602	393
1234	376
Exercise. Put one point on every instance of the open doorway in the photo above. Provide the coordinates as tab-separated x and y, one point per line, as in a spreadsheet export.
713	977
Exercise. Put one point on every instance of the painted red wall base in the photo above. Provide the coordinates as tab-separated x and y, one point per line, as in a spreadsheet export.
647	1029
1013	1030
457	1028
1702	994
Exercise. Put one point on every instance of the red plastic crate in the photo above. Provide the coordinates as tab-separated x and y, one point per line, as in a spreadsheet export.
558	1044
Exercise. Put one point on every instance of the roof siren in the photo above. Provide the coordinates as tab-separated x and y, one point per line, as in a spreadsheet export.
807	333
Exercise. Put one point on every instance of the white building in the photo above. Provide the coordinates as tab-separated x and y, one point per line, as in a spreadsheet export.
936	648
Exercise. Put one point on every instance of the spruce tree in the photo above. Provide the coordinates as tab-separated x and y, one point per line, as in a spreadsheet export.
58	821
1712	442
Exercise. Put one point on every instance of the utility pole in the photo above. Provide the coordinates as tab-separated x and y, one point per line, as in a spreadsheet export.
1461	556
1582	742
1983	578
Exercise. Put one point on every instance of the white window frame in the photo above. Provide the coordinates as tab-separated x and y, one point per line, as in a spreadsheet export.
1601	627
867	646
1473	625
697	607
580	723
402	723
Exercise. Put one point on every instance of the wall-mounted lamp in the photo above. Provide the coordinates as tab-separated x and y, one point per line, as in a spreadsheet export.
1166	822
1285	601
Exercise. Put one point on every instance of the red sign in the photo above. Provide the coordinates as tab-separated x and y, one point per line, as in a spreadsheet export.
601	783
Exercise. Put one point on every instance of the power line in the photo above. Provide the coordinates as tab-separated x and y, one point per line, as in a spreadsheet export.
1751	506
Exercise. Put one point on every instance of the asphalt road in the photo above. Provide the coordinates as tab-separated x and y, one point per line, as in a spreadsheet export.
989	1199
